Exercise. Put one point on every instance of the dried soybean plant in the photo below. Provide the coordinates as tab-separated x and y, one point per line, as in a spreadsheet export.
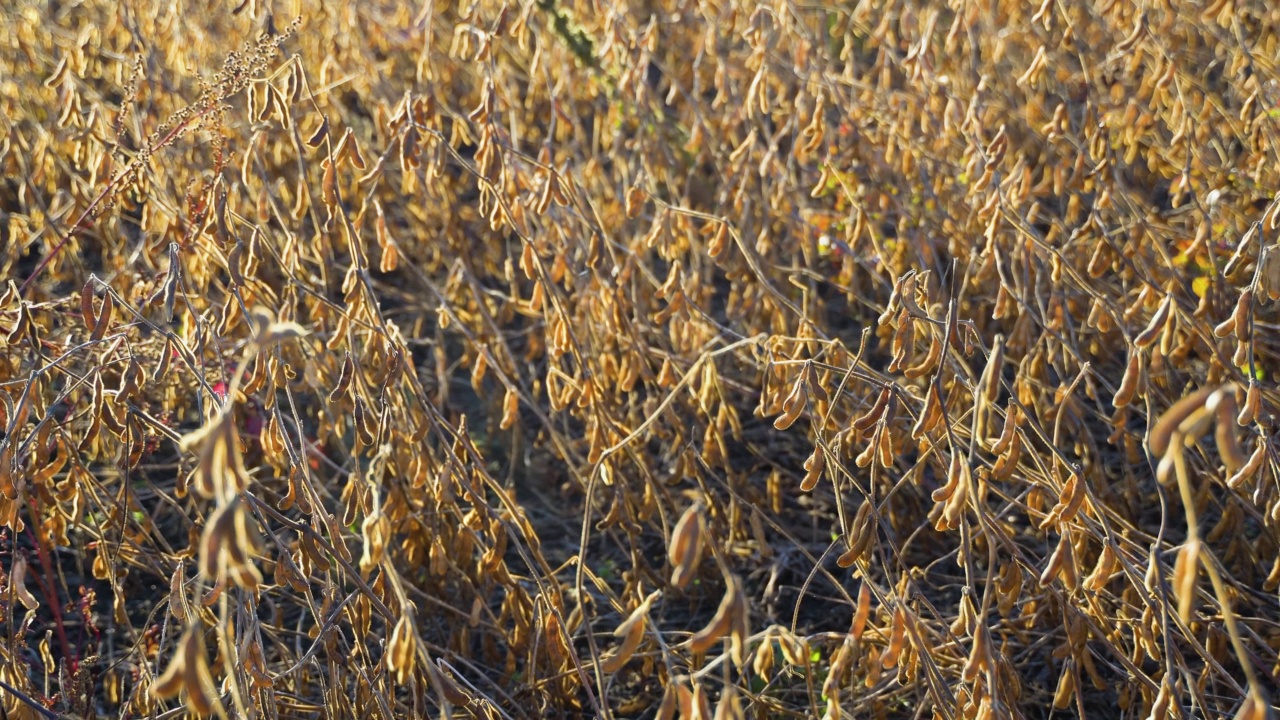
566	359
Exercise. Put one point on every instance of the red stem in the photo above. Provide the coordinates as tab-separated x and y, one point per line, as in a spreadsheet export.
49	591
